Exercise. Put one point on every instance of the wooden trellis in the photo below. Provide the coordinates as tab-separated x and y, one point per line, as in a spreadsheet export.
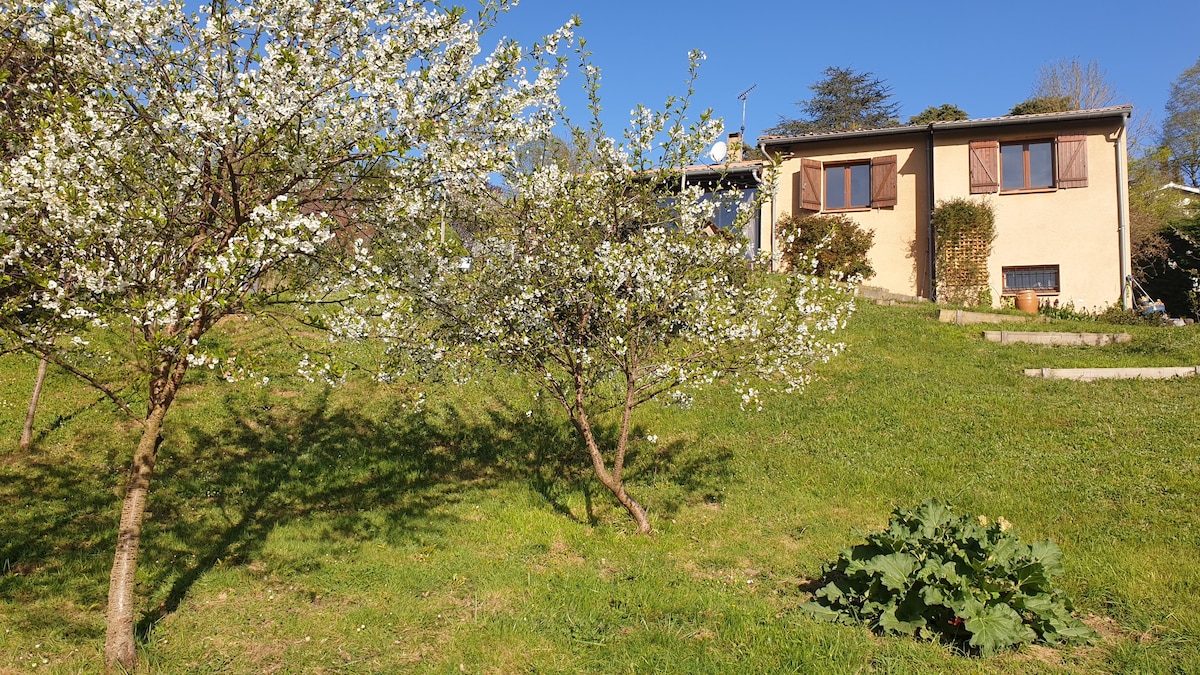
962	267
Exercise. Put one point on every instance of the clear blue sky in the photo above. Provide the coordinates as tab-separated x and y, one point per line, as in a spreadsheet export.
982	57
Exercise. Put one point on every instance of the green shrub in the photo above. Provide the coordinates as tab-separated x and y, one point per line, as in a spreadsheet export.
1170	268
1065	312
937	574
963	232
1117	314
836	243
1113	314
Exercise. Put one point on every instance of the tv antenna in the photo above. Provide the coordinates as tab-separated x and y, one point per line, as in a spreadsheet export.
742	97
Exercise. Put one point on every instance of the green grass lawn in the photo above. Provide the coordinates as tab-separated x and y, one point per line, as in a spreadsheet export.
299	529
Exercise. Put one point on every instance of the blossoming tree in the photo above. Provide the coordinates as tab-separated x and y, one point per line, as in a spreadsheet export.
209	154
28	84
606	285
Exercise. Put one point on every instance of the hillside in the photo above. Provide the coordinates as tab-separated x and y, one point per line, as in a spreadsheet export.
300	529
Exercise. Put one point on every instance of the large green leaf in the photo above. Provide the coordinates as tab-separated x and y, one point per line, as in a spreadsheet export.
894	539
1041	604
1032	578
938	571
932	515
1048	553
1005	551
890	622
821	612
1073	631
997	627
935	595
832	592
895	570
935	573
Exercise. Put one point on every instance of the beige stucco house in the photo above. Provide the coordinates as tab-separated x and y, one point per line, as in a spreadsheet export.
1057	182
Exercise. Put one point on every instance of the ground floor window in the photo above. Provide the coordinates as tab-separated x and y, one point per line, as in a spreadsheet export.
848	186
725	216
1041	278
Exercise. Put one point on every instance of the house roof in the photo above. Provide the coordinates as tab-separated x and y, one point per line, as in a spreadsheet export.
731	174
1006	120
723	168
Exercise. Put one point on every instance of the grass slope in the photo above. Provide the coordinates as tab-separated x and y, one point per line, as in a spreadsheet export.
296	529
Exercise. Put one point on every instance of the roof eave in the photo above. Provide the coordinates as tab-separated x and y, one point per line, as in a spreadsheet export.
1007	120
836	135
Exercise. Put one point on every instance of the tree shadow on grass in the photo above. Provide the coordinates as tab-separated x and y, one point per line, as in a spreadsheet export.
56	519
540	449
265	466
685	475
543	449
233	470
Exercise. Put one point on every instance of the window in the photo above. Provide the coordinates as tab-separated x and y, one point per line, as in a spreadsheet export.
1028	164
726	214
847	185
1041	278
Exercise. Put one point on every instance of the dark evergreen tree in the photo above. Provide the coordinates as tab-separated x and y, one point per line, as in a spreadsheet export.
843	99
1042	104
946	112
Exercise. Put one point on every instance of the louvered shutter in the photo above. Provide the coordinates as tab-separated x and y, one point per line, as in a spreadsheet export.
1071	162
985	164
883	181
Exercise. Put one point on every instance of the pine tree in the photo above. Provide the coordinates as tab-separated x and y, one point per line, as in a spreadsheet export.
842	100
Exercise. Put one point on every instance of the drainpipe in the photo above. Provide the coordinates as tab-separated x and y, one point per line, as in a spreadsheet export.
754	173
774	188
929	236
1123	210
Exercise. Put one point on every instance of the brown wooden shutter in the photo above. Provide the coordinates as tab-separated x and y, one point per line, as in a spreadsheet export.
797	189
806	187
810	187
883	181
1071	162
985	164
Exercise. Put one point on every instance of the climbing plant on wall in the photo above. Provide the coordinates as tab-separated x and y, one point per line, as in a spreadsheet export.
963	231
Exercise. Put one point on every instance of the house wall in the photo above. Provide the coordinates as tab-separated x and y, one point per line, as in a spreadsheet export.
899	251
1077	229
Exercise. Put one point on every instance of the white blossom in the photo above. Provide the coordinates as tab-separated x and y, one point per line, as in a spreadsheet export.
215	156
597	277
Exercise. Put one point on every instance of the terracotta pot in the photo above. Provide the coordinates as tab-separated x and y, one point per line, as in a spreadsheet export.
1027	302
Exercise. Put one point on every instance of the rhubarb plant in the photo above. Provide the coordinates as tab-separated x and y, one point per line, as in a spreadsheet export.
936	573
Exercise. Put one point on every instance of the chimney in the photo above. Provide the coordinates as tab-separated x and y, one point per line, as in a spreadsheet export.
737	151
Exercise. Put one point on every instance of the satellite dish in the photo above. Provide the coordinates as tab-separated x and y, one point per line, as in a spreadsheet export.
717	154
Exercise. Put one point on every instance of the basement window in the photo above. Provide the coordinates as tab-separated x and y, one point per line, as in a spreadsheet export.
1041	278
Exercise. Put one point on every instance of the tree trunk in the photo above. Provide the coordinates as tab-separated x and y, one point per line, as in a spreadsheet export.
635	509
120	650
27	433
614	481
